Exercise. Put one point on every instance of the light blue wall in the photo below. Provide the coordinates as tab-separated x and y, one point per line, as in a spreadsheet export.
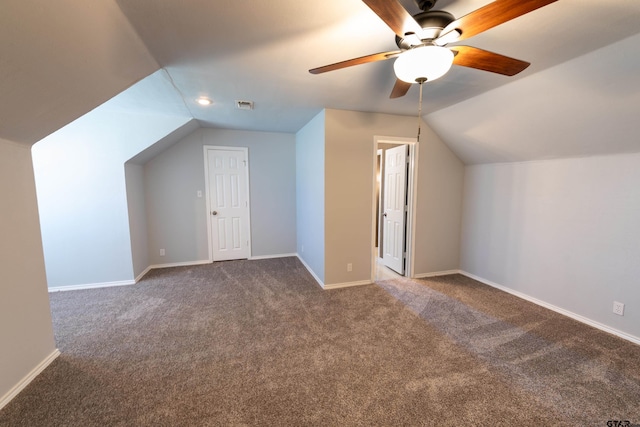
80	180
310	197
136	197
81	188
177	217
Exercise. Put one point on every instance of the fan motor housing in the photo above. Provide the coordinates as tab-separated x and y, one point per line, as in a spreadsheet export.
432	23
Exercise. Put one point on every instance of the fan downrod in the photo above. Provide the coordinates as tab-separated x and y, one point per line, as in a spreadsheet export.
425	5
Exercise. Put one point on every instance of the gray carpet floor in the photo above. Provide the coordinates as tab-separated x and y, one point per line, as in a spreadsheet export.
245	343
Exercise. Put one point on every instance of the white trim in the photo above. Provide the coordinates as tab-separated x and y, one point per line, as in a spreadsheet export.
91	286
346	284
126	282
272	256
141	275
437	273
180	264
207	201
16	389
379	200
412	191
148	269
412	206
311	271
557	309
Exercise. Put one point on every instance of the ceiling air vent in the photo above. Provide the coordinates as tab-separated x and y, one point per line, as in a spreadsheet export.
244	105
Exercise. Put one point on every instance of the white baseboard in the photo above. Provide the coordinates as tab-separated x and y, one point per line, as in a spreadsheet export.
311	271
333	285
141	275
271	256
436	274
179	264
91	286
552	307
346	284
16	389
148	269
169	265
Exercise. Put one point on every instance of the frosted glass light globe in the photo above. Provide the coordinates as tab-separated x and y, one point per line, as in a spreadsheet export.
424	62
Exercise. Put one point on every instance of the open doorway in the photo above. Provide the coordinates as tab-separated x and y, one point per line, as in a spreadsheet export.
393	210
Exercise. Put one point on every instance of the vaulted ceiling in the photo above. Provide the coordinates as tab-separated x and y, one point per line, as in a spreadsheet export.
61	59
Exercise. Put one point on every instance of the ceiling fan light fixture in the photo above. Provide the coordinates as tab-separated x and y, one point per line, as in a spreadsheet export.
447	38
424	62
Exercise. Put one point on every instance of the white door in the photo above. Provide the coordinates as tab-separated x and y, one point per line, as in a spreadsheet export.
394	214
228	202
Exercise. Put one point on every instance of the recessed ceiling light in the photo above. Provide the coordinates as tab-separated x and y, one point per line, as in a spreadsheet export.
204	101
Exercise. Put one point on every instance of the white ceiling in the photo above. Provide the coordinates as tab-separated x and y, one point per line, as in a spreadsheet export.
584	107
233	50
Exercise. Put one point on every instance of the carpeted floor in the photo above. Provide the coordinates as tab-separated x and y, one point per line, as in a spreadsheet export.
258	343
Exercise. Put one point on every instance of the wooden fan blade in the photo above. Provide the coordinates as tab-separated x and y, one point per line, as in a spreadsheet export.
356	61
491	15
473	57
395	16
400	89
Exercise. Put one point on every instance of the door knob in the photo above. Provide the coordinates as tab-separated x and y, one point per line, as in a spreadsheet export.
214	212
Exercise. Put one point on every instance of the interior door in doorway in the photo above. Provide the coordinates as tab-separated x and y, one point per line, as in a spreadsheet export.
228	193
395	202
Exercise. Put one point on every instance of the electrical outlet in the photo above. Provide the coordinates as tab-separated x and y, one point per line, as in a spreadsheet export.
199	194
301	248
161	252
349	267
618	308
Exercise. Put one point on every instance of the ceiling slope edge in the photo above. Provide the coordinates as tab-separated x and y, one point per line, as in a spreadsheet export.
586	106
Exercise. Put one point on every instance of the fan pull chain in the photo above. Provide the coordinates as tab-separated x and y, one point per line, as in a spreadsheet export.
420	82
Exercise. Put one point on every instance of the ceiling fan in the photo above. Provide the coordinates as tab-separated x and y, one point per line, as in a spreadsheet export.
422	39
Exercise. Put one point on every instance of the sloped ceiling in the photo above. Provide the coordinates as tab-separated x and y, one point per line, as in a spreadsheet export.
233	50
61	59
584	107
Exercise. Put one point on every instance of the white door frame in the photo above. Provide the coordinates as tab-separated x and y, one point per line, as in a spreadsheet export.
412	180
206	148
379	199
